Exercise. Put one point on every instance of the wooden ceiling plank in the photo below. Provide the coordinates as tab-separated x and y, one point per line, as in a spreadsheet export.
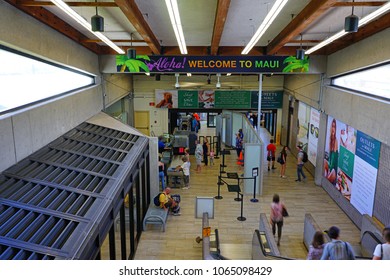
309	14
219	24
48	18
360	4
134	15
71	4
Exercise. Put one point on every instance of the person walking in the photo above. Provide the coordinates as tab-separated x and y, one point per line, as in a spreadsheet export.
205	151
198	156
212	156
283	162
238	144
276	216
317	246
271	149
382	251
337	249
300	164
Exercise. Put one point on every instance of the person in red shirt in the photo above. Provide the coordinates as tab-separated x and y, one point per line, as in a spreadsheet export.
271	149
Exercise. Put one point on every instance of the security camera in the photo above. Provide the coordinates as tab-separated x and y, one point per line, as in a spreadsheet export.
177	85
218	85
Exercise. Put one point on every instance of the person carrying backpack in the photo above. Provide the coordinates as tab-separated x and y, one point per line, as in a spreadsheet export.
169	202
337	249
300	164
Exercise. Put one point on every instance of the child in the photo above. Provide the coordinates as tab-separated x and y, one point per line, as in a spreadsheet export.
211	156
185	167
187	154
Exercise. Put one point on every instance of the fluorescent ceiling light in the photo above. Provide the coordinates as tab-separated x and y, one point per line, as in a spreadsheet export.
382	10
174	15
269	18
65	8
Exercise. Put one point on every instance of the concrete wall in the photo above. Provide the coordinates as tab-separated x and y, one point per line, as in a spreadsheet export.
361	112
25	131
371	51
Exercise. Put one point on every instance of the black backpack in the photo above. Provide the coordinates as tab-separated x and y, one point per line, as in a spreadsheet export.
156	199
305	157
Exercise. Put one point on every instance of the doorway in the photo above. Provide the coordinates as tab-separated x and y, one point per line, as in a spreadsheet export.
141	122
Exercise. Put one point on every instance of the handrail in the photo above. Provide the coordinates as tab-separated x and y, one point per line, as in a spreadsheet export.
269	255
372	235
206	244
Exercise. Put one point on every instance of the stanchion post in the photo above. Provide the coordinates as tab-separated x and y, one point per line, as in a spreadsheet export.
241	218
254	175
219	188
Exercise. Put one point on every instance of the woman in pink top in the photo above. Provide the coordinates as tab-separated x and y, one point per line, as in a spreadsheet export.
276	216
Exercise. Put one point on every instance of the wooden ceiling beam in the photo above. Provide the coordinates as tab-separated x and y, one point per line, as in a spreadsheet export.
307	16
219	24
204	51
71	4
51	20
134	15
360	4
114	41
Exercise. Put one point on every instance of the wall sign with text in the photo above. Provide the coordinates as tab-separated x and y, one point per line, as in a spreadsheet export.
211	64
218	99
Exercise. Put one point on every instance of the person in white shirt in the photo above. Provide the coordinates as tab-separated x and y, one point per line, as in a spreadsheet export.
185	167
382	251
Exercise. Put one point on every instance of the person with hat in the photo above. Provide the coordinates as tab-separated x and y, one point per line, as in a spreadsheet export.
300	164
337	249
382	251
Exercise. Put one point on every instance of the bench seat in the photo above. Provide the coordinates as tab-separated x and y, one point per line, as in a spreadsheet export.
156	216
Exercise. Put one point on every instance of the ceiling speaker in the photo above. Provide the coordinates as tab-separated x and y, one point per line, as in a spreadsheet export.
131	53
300	54
351	23
97	23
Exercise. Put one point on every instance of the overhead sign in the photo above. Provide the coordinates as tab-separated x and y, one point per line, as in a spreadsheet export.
219	99
211	64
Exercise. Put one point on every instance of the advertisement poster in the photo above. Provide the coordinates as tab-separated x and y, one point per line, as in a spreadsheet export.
303	125
365	173
188	99
351	164
313	135
206	99
166	99
269	99
340	155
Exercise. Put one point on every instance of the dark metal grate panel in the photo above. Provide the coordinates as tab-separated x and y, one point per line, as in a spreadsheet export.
47	197
11	253
34	227
58	202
